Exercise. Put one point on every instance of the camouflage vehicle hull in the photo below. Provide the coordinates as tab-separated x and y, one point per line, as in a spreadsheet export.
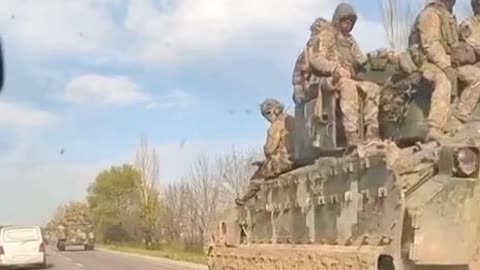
408	205
354	214
78	237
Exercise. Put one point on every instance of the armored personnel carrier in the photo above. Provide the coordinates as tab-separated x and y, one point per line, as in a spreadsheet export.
402	204
75	229
79	234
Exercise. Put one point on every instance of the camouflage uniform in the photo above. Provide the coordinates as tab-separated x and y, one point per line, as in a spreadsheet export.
434	34
469	32
302	77
306	88
333	50
278	149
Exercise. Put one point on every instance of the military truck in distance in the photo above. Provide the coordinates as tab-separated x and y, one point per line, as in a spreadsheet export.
411	205
75	235
75	228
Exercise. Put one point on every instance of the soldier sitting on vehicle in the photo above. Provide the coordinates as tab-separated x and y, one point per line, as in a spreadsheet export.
436	37
278	149
305	87
302	78
465	58
337	59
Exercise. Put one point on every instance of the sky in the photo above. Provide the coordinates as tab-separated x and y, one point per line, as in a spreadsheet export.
92	76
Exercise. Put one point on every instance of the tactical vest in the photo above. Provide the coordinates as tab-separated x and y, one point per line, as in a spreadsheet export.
302	73
299	69
475	20
331	55
345	53
448	29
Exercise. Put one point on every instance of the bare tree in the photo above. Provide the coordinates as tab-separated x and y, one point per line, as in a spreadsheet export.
147	163
235	169
176	204
398	17
192	206
205	190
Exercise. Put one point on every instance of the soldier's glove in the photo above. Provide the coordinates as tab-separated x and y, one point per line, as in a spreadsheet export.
339	73
298	94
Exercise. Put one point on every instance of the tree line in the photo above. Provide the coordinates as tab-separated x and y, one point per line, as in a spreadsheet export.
128	203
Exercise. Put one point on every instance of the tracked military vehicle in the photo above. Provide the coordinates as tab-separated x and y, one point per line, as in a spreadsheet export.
79	234
75	228
407	204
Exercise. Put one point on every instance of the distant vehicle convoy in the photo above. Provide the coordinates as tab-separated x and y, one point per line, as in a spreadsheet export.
22	246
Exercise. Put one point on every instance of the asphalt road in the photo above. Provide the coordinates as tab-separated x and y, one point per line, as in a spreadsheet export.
107	260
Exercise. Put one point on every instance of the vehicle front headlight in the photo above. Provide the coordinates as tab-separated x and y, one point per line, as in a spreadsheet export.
466	162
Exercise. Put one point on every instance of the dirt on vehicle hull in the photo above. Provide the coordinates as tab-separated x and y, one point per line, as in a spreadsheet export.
295	258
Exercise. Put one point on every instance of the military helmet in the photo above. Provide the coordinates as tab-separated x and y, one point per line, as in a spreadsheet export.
449	3
270	105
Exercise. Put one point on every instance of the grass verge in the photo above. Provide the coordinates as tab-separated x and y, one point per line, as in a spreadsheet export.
167	252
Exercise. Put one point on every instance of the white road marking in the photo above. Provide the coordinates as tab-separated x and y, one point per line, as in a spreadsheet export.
79	265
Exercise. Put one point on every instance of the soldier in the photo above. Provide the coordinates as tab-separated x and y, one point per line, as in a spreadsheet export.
278	149
305	87
302	77
469	33
337	58
435	35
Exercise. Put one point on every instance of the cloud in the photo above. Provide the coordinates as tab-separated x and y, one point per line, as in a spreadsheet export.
163	32
199	27
99	89
61	27
192	28
18	116
177	99
120	90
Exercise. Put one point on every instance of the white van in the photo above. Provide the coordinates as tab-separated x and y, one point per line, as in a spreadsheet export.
22	246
